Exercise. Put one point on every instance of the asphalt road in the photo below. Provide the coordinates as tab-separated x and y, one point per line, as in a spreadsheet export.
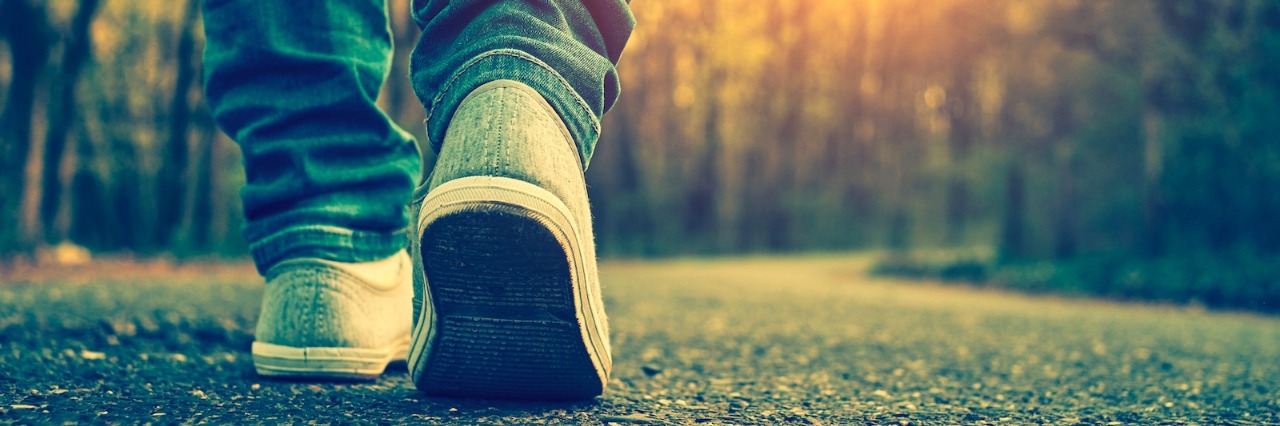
734	341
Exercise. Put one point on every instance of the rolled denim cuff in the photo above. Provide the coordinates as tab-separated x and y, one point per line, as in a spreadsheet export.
325	242
511	64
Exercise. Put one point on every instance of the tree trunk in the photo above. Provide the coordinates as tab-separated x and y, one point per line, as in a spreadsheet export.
1064	220
960	116
62	110
852	155
701	199
29	225
398	99
1011	243
24	24
1153	211
1064	226
192	233
781	171
171	179
220	203
68	169
1012	240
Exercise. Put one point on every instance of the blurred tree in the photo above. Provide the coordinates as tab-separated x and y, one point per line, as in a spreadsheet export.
25	25
172	179
1052	130
970	33
63	110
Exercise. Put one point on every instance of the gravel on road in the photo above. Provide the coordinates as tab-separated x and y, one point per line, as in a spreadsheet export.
790	340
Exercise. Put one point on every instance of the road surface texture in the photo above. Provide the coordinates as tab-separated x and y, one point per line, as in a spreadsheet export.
734	341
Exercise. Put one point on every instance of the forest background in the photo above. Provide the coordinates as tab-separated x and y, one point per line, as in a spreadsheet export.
1128	149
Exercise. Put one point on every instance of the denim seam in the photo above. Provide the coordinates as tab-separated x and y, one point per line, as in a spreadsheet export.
595	122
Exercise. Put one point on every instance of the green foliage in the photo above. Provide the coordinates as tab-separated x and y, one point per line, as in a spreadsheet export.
1239	279
966	266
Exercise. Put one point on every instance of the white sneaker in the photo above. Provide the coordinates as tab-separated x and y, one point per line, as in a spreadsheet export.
332	320
505	263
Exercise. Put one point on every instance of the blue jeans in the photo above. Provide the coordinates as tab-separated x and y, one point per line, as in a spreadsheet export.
328	173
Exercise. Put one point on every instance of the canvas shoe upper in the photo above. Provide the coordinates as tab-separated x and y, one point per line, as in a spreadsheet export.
326	319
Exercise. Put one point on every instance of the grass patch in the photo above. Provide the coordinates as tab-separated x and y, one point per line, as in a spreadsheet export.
1240	280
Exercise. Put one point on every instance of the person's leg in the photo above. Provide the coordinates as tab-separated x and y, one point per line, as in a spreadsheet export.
507	296
296	86
328	177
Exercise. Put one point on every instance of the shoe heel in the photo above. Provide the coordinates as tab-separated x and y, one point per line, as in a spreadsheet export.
509	315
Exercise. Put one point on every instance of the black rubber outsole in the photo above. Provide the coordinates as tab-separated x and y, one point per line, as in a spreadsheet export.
506	323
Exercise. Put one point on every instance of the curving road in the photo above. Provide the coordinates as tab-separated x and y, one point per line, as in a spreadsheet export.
735	341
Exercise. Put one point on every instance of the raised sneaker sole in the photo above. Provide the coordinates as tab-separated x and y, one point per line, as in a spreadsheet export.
506	278
280	361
